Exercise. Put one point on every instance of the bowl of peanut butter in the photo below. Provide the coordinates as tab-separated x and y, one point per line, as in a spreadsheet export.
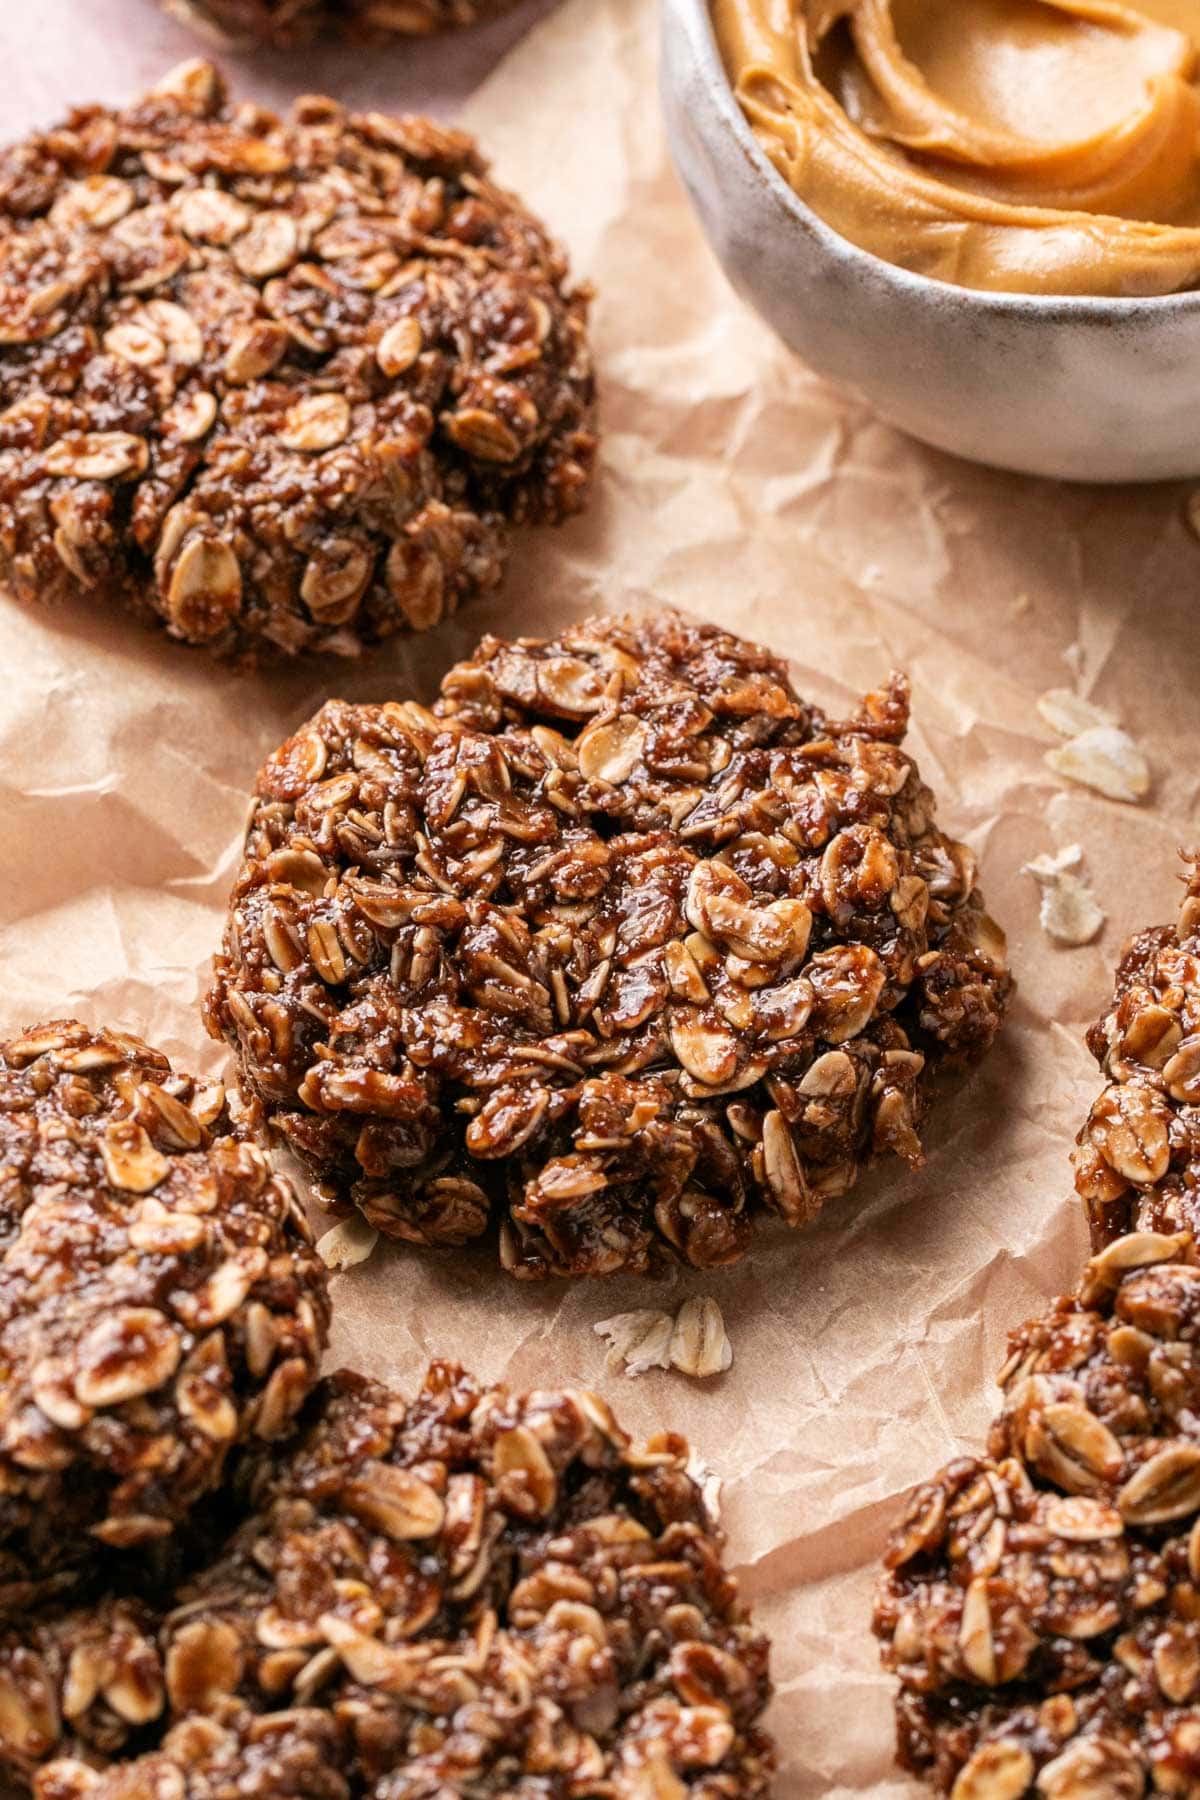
982	216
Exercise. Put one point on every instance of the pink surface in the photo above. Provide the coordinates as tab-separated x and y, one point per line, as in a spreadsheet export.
56	52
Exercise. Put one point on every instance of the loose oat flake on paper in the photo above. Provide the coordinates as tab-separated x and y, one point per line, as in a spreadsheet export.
695	1341
1070	912
1104	758
699	1344
638	1340
349	1242
1070	714
1098	753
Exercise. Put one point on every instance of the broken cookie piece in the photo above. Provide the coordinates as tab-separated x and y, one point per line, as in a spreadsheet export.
617	948
280	385
159	1300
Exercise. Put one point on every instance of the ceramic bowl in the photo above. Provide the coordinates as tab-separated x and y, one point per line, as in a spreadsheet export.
1083	389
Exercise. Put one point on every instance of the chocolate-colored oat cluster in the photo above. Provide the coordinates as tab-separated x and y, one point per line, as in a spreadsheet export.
1043	1609
472	1594
216	1581
287	23
78	1679
160	1301
1138	1161
619	945
1042	1604
280	385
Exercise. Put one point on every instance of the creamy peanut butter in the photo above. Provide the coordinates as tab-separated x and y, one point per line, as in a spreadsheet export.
1039	146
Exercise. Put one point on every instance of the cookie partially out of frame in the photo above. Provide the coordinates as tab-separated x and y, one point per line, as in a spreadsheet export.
280	385
472	1593
1137	1163
160	1302
287	23
1041	1606
620	946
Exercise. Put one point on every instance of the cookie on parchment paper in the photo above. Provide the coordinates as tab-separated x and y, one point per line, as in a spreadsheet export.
160	1302
618	948
1137	1162
284	24
470	1593
280	385
1041	1605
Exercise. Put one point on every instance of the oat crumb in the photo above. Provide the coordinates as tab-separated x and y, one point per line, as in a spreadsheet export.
1070	912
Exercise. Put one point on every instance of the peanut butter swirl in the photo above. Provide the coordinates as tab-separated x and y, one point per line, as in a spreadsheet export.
1035	146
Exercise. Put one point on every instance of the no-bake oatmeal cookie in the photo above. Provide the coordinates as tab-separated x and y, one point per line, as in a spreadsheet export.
287	23
1137	1165
475	1593
160	1301
281	385
617	946
1043	1610
1042	1605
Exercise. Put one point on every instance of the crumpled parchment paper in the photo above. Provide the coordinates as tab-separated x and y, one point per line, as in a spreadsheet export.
739	486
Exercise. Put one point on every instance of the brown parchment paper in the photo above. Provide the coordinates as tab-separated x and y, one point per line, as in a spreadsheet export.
739	486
